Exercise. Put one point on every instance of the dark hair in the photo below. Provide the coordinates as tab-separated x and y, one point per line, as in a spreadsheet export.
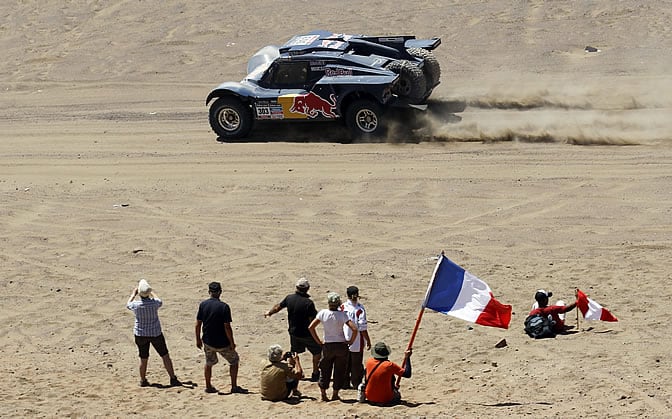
352	290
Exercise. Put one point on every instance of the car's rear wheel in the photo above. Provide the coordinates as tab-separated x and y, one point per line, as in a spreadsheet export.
431	67
412	84
230	118
364	119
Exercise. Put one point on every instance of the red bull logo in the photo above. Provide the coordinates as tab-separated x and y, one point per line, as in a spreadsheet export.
312	105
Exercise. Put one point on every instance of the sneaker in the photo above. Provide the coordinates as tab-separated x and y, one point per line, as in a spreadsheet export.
315	377
174	382
239	390
211	390
144	383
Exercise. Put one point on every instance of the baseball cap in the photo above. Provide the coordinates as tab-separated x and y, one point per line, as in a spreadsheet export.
302	283
333	298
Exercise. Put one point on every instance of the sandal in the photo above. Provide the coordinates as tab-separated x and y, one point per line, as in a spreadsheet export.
211	390
239	390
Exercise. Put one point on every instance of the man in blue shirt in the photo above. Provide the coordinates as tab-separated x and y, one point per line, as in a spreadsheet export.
147	330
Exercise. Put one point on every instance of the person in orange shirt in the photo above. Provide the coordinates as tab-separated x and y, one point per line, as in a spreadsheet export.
380	382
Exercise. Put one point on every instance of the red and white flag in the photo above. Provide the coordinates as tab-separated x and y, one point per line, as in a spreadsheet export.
591	310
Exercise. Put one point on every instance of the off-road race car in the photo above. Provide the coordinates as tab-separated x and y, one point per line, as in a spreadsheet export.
322	76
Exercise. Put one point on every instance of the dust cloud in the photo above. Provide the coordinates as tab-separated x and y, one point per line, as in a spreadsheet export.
631	113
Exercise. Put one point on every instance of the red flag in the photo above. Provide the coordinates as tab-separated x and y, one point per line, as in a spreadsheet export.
591	310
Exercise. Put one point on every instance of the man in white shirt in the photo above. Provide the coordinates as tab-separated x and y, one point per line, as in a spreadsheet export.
357	314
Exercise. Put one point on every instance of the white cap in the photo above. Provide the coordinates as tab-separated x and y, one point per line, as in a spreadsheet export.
144	289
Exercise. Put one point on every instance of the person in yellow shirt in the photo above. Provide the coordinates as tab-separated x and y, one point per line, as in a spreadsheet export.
280	379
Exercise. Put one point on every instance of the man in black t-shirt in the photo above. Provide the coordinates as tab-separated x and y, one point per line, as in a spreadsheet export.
214	317
300	312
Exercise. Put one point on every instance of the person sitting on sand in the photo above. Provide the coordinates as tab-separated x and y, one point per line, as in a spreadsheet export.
147	330
555	312
280	379
380	372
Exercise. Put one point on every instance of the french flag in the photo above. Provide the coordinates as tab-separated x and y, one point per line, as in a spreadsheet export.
591	310
456	292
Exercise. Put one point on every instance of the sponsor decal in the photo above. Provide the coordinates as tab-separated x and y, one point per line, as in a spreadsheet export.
269	110
342	36
332	44
302	40
391	39
312	105
332	72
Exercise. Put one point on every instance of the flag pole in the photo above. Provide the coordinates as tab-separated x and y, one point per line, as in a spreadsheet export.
410	342
576	295
419	319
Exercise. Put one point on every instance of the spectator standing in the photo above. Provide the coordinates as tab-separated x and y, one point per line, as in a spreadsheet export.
334	345
214	318
300	312
147	330
357	314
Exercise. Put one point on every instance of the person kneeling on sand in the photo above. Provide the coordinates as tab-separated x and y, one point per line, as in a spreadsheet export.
380	382
147	330
280	379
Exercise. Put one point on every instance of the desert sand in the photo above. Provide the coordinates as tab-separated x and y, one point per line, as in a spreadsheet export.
557	175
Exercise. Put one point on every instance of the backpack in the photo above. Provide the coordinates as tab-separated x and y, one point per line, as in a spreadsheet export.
538	326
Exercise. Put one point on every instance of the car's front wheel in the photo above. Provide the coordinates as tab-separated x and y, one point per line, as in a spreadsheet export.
364	119
230	118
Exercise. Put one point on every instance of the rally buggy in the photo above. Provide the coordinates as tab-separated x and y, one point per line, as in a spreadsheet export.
328	76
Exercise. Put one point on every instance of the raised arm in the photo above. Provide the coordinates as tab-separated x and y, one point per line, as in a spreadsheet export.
134	293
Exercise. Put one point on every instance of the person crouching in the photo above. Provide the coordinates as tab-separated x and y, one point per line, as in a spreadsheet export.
280	379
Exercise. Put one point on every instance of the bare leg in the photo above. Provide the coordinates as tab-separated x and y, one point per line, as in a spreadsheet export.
168	364
143	368
233	372
208	375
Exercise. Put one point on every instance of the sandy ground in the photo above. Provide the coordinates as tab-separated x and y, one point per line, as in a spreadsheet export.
555	176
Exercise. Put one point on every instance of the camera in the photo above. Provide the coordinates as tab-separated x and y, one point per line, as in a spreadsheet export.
287	355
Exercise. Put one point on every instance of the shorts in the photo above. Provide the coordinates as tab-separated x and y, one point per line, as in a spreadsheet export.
158	342
299	344
227	353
